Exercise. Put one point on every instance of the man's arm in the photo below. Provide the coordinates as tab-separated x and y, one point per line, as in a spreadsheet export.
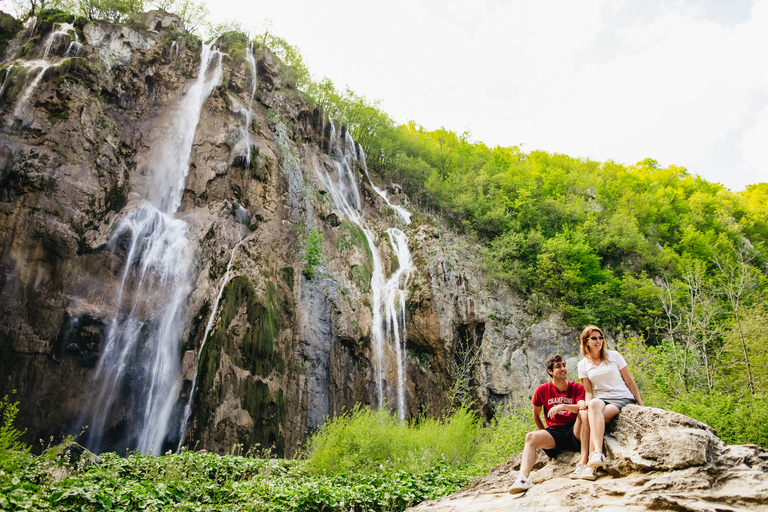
574	408
537	417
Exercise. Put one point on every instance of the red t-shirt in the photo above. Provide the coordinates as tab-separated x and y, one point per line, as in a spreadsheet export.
547	396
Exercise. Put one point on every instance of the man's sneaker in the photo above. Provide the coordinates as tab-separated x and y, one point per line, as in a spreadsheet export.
588	473
597	460
577	472
521	484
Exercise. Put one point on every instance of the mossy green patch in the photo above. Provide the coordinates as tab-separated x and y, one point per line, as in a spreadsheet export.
258	349
77	70
354	235
268	412
287	275
9	27
258	164
234	43
115	198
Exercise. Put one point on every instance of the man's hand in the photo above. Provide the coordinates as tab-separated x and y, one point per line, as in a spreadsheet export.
582	404
553	411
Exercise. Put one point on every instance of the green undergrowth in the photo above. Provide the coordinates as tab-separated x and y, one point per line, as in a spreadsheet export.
207	482
390	466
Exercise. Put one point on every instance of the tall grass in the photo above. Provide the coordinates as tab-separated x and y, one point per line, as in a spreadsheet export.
364	441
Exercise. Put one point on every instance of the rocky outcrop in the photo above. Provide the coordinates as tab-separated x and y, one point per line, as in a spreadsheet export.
84	107
658	460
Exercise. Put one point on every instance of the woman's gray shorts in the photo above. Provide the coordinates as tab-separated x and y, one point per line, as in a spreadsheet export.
619	402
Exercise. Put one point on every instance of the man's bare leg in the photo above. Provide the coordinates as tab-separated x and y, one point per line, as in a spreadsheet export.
538	439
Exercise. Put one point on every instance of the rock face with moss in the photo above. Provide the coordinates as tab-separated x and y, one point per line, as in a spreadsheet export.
83	103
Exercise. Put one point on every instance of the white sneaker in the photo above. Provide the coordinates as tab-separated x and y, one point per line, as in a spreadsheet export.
576	474
588	473
521	484
597	460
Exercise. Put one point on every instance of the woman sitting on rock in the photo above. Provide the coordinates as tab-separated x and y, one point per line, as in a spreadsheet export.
608	386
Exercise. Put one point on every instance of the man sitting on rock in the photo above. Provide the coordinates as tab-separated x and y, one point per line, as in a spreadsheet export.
567	428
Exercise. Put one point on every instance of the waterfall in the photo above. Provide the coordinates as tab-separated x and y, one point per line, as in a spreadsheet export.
243	146
63	29
389	295
139	369
5	77
252	65
23	104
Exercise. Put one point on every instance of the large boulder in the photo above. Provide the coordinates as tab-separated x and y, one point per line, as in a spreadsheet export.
658	460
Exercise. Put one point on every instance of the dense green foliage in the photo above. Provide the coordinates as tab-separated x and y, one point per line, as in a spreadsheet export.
363	461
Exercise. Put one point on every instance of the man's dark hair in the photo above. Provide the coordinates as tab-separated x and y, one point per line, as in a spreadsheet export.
551	360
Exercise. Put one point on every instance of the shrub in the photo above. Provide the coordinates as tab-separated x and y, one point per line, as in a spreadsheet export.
366	441
12	452
313	251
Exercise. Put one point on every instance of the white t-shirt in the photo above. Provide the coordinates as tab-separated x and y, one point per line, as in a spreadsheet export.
605	377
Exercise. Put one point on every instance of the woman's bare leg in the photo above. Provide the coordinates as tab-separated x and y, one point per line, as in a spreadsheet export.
599	414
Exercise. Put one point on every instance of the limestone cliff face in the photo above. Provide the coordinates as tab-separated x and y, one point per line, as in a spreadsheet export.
85	107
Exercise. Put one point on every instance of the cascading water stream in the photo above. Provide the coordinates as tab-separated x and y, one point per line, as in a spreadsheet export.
394	294
23	105
388	294
244	144
139	369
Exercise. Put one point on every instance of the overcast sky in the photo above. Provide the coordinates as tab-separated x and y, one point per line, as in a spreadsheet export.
682	82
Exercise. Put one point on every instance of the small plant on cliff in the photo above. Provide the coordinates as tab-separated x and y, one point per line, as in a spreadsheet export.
313	252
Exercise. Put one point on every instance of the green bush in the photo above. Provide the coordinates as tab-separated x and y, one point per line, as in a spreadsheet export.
313	252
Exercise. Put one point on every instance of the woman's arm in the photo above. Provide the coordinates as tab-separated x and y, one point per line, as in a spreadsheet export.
587	389
630	382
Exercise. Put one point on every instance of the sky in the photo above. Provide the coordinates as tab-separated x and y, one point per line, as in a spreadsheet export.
684	82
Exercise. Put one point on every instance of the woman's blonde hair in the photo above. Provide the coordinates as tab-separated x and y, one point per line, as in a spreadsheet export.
588	330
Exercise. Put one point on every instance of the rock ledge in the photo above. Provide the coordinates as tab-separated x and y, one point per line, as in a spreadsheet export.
659	460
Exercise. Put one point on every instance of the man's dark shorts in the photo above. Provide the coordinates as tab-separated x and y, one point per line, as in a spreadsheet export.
564	440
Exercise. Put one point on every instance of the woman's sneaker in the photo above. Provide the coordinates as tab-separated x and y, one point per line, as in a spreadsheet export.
587	473
597	460
521	484
576	474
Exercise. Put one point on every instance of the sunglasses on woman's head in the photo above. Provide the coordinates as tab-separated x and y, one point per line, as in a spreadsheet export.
595	338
